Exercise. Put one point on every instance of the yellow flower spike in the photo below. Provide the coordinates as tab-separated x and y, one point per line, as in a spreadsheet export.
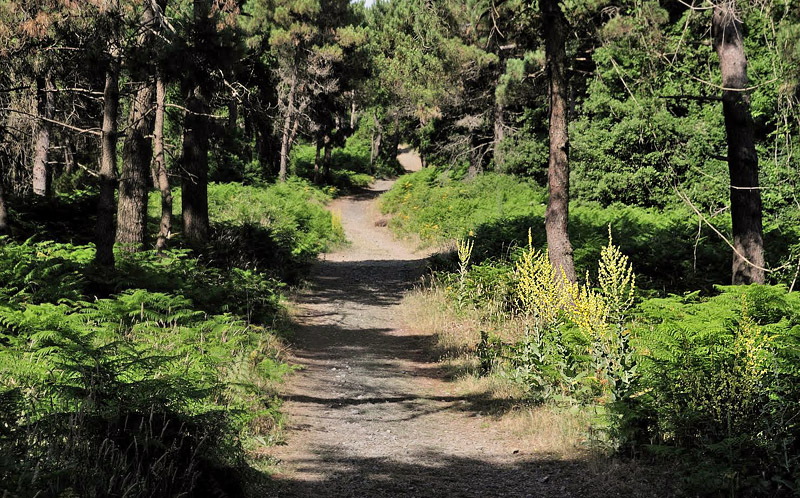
538	291
617	280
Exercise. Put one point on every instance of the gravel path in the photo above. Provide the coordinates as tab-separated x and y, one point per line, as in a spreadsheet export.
370	414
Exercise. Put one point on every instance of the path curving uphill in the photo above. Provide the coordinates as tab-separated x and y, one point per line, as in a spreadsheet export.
370	414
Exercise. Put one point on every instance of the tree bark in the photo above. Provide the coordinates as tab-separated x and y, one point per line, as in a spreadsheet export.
137	153
4	228
499	134
104	230
317	169
296	124
194	181
287	126
326	158
377	138
233	117
165	226
45	108
134	183
557	215
353	110
69	157
475	160
748	255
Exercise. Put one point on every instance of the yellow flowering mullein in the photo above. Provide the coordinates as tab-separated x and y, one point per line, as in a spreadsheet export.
617	281
752	348
538	290
587	308
464	247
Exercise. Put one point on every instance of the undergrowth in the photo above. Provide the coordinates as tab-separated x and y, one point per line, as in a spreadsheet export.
278	228
349	168
159	378
670	251
706	379
158	391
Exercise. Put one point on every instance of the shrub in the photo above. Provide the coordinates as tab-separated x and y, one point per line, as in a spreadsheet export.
719	379
349	168
576	346
144	392
277	228
670	252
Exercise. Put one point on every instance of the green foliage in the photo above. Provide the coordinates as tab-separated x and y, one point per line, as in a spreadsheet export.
349	169
712	380
157	391
669	249
277	228
720	379
576	347
41	272
437	207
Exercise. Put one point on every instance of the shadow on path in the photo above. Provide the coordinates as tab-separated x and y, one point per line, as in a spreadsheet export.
433	474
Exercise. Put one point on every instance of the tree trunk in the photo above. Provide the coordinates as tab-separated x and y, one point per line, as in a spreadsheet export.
165	226
194	182
45	108
287	125
475	160
326	159
353	112
69	157
317	169
557	215
296	124
233	118
137	153
104	230
748	255
135	180
499	134
377	138
4	228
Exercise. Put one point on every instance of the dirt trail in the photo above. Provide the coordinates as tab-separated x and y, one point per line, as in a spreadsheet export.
370	414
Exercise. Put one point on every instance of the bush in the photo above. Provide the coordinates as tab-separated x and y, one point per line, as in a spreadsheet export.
670	252
713	380
278	228
144	392
349	169
708	378
720	379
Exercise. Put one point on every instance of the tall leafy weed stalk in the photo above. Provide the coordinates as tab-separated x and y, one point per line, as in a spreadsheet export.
464	248
576	347
143	393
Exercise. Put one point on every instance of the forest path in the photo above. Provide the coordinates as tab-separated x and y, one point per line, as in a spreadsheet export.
370	414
